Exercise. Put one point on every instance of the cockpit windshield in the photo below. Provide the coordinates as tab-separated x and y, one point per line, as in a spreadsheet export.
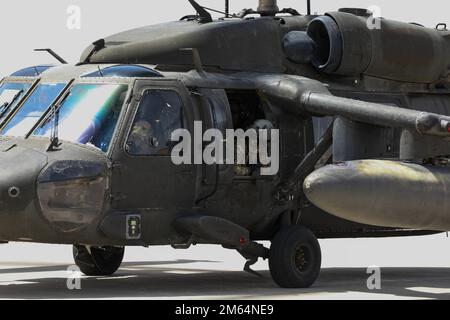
10	95
33	109
88	115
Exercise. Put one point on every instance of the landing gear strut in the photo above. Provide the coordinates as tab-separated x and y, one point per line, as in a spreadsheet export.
98	261
295	258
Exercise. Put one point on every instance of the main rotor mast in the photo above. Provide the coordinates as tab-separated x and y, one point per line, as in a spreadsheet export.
270	7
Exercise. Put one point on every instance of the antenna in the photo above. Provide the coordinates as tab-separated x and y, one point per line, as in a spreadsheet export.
308	4
227	7
100	70
53	54
204	15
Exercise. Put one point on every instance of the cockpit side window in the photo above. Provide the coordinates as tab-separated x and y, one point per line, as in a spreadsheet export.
159	114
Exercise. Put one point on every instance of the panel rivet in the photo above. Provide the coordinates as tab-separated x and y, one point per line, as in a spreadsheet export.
14	192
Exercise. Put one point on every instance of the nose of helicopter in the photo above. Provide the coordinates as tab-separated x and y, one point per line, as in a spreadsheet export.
19	169
50	195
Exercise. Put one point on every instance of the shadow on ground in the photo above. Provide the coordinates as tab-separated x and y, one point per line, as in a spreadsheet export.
157	280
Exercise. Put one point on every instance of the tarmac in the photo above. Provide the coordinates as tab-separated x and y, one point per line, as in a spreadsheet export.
29	271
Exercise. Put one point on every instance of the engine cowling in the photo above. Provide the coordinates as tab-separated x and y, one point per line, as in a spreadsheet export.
344	44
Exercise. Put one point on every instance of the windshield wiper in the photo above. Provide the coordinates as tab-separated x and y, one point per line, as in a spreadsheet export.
54	110
5	107
53	114
54	140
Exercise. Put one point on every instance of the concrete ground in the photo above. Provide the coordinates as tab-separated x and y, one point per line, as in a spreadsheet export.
411	268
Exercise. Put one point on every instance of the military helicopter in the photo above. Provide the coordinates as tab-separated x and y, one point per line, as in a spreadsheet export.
363	120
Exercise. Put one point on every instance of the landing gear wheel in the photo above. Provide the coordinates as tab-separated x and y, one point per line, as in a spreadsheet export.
100	261
295	258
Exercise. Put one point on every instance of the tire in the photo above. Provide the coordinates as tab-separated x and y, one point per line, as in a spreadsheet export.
101	261
295	258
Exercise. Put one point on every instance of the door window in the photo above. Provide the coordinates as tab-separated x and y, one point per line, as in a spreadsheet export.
159	114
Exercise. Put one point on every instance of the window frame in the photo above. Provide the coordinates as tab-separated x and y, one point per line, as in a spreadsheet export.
93	80
31	91
190	113
69	84
78	83
135	113
34	81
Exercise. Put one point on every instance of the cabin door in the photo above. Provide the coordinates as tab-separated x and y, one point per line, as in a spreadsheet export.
144	175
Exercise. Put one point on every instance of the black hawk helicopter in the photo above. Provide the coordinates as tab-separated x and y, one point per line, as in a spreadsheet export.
362	111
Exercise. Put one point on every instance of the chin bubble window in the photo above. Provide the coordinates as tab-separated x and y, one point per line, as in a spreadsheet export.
159	114
71	193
